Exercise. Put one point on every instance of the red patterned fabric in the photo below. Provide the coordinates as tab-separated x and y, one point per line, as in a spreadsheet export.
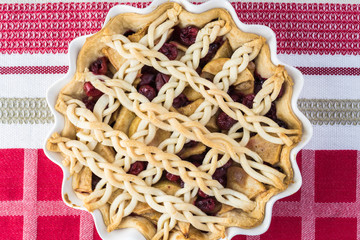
347	71
33	70
328	204
300	28
324	208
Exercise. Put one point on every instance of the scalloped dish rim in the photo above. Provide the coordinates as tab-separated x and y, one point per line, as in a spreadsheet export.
69	196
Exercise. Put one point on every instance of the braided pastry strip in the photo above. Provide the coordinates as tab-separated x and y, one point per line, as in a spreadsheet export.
213	29
140	151
129	54
116	218
137	192
105	107
118	177
193	130
260	106
156	54
242	164
146	131
179	70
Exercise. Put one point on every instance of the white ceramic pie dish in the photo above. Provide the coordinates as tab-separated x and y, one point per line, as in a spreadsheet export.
68	194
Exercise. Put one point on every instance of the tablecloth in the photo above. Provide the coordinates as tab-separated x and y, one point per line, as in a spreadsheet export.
320	39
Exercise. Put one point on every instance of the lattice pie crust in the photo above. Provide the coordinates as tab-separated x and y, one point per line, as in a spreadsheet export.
126	153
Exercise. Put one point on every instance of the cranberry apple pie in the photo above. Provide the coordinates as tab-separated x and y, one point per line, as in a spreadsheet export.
177	124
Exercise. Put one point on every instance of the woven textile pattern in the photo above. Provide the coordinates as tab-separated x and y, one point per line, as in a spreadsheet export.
320	39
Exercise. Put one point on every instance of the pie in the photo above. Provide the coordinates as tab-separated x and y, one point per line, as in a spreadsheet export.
177	124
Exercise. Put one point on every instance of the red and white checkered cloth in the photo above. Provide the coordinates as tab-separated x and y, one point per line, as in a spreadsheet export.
322	40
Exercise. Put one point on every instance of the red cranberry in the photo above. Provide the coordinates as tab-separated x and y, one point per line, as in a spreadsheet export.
224	121
180	101
199	70
137	167
99	67
192	143
281	123
197	157
147	79
89	103
219	172
188	35
202	194
207	205
160	80
258	86
258	77
94	181
220	175
91	91
148	69
212	51
128	33
172	177
169	50
182	184
236	97
258	82
175	36
281	93
228	164
272	112
197	163
248	100
222	180
148	91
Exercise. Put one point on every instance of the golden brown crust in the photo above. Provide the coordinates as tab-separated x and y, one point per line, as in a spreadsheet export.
143	225
94	48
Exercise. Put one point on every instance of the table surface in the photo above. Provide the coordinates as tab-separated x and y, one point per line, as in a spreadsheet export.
321	40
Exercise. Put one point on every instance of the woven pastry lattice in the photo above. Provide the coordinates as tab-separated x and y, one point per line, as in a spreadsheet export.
93	128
